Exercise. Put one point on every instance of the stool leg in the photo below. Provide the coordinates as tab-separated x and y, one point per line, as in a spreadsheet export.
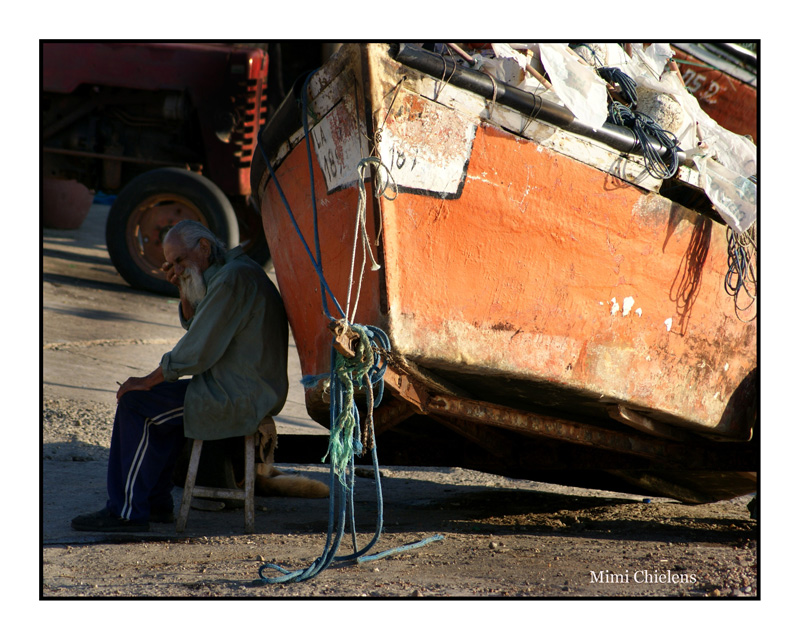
188	487
249	484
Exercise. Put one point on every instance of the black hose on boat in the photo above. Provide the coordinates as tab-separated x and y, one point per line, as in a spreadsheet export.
617	137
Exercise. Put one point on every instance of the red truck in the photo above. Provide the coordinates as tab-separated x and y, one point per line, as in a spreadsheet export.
169	128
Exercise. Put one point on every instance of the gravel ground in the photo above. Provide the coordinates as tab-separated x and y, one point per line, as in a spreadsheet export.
76	431
501	537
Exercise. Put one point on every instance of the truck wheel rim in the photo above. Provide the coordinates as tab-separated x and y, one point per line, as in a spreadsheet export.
150	222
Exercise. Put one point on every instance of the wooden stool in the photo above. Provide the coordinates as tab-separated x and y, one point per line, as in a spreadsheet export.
247	493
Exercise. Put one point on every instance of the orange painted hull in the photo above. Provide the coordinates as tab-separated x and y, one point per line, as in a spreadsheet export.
532	280
729	101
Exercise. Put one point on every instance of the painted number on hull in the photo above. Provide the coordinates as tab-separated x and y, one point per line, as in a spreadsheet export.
400	157
338	145
700	86
427	147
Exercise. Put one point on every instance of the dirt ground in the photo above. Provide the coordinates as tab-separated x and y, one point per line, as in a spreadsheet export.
501	538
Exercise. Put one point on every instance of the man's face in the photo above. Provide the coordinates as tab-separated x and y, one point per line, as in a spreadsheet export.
186	265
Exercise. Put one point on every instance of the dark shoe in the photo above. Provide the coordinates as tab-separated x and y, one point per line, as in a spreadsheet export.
162	516
106	521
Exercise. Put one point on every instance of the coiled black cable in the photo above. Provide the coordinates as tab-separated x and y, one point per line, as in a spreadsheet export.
627	85
650	136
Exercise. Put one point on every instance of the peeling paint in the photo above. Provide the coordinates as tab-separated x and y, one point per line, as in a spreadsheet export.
427	150
338	146
473	286
627	305
483	348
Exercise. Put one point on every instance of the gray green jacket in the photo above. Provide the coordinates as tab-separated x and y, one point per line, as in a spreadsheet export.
235	348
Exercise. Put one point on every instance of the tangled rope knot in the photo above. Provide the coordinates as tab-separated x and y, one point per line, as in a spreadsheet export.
356	365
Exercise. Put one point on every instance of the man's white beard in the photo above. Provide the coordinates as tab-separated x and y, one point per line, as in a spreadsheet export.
193	287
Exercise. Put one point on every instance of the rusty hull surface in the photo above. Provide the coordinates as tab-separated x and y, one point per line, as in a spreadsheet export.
728	100
524	281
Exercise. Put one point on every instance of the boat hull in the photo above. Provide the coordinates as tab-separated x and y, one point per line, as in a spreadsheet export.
511	273
730	100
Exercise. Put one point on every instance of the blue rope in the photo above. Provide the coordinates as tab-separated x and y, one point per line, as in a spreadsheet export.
304	102
364	371
316	264
406	547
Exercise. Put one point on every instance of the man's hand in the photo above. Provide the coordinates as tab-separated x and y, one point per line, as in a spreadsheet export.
168	268
141	384
186	308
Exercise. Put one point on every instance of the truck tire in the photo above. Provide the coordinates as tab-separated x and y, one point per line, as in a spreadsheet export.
149	206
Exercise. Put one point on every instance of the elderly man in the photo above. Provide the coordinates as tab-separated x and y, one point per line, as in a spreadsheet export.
235	350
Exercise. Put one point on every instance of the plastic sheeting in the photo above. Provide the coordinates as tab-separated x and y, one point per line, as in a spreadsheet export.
581	89
733	195
509	66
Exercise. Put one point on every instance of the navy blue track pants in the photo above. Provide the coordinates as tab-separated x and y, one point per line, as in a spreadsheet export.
145	443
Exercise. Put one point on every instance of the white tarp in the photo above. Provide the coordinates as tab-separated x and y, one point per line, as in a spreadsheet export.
733	195
509	66
581	89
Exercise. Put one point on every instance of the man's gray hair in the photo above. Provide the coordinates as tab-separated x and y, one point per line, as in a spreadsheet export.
190	233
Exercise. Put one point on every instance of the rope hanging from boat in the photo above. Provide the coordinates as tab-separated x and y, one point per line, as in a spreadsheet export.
306	129
364	370
741	281
381	187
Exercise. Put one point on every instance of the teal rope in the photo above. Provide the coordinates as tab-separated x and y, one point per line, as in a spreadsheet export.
407	547
351	373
